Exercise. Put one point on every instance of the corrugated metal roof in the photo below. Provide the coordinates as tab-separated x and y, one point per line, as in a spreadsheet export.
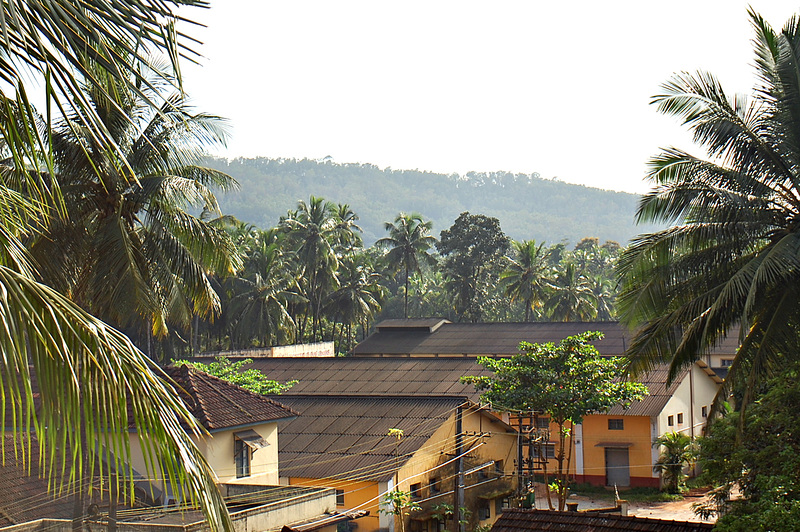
521	520
502	339
372	376
356	444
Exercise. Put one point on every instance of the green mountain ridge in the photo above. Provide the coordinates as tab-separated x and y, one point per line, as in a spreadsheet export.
527	206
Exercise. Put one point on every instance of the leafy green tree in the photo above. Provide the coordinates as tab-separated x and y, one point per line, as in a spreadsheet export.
571	296
312	234
358	298
730	259
472	249
527	276
128	249
409	244
677	452
257	309
87	372
758	456
566	381
250	379
398	502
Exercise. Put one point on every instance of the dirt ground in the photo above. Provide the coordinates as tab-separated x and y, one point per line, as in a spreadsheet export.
675	510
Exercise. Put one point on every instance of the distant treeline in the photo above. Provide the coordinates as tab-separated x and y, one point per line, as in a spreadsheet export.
527	206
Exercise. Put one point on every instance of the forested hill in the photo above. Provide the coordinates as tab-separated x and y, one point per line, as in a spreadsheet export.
528	207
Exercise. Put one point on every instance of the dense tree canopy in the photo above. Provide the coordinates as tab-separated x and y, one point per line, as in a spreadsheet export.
759	457
731	259
87	372
472	249
566	381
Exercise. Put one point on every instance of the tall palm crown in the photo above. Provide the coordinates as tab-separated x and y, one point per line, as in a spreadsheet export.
127	246
733	256
408	244
527	275
312	234
571	297
88	373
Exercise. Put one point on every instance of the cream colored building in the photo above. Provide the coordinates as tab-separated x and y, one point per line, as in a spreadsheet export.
242	445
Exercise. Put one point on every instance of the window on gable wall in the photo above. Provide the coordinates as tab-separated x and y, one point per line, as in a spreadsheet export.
542	422
704	411
680	418
416	491
616	424
241	456
433	484
670	421
339	497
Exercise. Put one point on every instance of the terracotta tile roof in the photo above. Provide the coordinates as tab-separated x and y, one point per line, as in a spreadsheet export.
372	376
502	339
346	437
219	405
520	520
23	492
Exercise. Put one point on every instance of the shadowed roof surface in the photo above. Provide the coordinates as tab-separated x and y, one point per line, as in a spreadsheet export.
521	520
439	337
218	404
371	376
347	437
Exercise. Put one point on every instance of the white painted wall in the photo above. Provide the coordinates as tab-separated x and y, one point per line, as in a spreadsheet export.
704	391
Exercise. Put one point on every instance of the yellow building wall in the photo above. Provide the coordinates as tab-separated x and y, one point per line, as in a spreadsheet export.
358	495
636	431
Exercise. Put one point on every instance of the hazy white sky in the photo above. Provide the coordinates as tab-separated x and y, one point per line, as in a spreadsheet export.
555	87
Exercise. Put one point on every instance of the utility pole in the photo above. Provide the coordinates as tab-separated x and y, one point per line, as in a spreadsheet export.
458	492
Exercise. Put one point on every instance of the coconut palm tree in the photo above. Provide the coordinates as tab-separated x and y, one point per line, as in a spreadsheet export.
358	298
731	256
408	245
527	275
128	250
257	310
312	233
87	372
571	297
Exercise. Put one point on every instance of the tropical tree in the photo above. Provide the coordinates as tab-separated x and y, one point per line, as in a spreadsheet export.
753	465
127	249
87	372
677	452
566	381
571	297
472	249
358	298
526	276
731	257
409	245
312	232
257	310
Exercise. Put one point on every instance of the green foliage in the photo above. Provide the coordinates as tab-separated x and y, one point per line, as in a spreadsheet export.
408	245
731	258
678	451
396	502
527	206
472	251
249	379
566	381
759	455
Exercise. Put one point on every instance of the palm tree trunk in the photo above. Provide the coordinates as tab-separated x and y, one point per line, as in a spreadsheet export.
406	298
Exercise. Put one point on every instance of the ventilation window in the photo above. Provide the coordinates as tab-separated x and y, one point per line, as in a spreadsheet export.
616	424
